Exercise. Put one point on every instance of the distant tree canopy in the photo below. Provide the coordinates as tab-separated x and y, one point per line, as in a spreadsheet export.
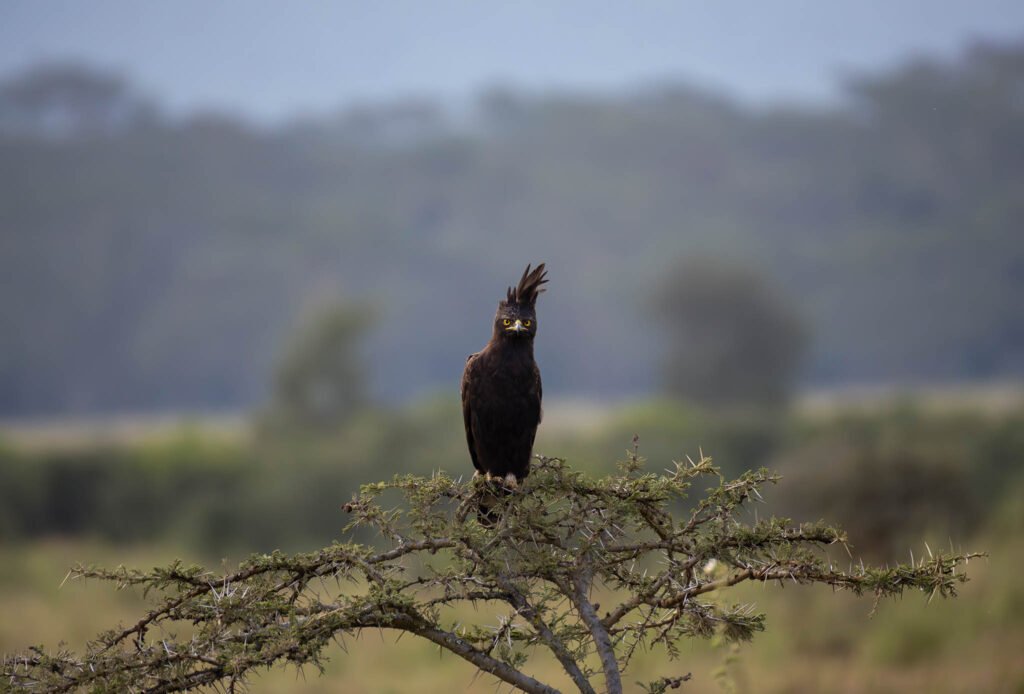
64	100
138	263
732	339
322	380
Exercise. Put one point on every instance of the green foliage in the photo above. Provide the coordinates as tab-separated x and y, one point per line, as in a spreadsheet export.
116	492
321	381
733	340
889	477
562	543
893	475
742	439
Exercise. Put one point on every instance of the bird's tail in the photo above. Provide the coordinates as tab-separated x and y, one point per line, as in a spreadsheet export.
487	511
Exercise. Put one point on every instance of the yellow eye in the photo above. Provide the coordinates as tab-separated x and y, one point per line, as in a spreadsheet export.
506	322
526	323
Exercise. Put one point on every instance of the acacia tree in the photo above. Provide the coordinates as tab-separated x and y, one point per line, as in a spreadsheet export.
592	570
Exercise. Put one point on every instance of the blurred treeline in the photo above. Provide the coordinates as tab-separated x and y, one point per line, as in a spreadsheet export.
150	262
891	475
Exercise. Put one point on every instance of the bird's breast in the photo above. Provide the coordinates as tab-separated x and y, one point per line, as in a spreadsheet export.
507	386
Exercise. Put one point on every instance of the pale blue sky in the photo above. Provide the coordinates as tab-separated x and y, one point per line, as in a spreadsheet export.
272	60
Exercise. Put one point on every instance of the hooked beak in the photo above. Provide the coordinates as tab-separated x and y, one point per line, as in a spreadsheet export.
517	326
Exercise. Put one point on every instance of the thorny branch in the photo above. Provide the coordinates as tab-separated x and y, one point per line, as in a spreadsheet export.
561	543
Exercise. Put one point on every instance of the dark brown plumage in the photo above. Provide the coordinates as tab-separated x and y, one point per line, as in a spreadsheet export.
501	390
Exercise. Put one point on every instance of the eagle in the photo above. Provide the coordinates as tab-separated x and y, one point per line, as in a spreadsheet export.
501	391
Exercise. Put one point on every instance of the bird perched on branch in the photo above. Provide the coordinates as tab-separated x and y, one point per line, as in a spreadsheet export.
501	392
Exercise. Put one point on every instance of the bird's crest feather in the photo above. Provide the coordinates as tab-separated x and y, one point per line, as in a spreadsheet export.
529	287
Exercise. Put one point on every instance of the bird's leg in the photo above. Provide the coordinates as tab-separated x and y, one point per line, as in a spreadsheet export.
511	482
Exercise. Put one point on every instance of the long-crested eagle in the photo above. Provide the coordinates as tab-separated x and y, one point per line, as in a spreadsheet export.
501	390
